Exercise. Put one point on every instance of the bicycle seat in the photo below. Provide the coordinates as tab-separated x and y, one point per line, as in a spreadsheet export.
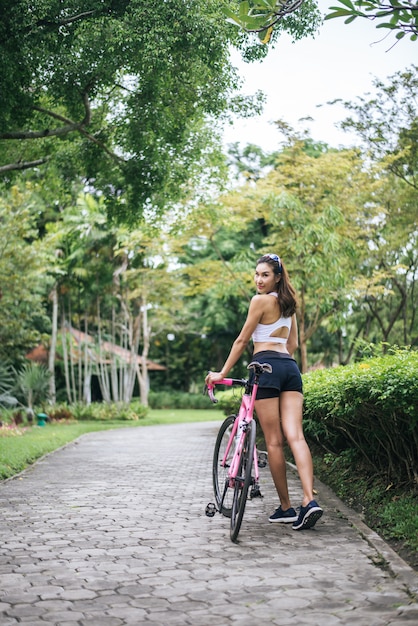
260	368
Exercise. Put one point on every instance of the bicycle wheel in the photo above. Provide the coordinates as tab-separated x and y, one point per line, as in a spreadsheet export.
219	471
243	481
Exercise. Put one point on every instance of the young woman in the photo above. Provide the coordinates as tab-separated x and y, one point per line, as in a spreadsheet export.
271	323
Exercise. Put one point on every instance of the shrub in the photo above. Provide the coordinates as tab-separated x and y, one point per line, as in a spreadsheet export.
372	407
32	383
60	412
6	386
229	400
178	400
113	411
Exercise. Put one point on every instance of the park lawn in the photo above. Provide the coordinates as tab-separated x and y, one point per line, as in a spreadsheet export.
20	447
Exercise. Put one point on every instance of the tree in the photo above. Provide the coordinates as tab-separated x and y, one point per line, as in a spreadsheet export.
115	294
122	94
23	320
384	292
126	85
32	382
312	204
399	16
306	209
268	18
387	123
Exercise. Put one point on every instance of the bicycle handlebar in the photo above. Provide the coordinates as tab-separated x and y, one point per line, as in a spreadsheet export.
228	382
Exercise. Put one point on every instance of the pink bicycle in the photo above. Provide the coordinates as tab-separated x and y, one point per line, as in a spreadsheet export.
235	458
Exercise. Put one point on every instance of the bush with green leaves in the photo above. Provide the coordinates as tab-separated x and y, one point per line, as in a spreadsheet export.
229	400
32	383
108	411
178	400
370	407
6	386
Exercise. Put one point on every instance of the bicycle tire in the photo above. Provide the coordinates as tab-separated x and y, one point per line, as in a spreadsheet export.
219	472
244	481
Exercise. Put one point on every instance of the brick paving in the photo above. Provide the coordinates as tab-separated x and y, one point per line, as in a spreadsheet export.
111	531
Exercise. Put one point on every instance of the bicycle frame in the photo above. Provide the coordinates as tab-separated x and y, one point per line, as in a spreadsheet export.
237	475
244	417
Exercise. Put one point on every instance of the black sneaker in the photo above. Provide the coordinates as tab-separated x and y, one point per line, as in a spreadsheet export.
285	517
308	516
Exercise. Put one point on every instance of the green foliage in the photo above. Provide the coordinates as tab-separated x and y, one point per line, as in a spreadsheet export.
399	16
386	122
108	411
60	413
370	407
229	400
6	386
268	18
178	400
370	494
118	93
32	383
400	527
22	281
97	411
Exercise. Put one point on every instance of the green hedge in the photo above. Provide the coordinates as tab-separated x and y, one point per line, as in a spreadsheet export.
369	407
101	411
178	400
229	400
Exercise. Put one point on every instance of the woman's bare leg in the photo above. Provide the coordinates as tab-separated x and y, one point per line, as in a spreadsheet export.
268	414
291	403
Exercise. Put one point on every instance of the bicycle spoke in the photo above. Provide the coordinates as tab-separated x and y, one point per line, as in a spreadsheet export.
242	482
223	493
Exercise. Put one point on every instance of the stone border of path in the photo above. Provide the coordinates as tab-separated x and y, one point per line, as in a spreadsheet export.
391	561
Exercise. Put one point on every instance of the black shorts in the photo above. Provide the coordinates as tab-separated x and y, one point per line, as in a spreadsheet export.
284	377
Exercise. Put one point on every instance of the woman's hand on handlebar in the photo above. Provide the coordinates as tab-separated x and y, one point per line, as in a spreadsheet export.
213	377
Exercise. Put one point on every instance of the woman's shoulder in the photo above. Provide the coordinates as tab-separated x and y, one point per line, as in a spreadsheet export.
260	298
263	301
265	297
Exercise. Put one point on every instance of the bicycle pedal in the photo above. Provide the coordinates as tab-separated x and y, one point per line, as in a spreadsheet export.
262	459
210	510
255	492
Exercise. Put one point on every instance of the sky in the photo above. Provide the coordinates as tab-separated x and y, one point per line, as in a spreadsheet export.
340	62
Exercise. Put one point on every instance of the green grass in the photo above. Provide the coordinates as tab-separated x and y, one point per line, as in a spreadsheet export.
391	511
23	447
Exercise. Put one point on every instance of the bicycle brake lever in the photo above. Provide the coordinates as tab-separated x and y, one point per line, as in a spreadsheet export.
211	394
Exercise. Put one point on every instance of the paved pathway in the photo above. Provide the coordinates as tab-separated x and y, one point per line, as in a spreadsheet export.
111	531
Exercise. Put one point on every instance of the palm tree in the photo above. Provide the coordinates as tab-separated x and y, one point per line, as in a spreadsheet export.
32	383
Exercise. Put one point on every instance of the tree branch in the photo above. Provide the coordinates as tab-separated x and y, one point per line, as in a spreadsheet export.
22	165
68	20
69	126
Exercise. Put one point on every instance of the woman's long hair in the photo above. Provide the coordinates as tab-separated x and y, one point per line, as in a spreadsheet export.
285	290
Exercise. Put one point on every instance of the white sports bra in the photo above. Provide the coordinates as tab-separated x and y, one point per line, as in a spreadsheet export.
264	332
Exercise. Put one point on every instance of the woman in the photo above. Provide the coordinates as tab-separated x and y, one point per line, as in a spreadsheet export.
271	323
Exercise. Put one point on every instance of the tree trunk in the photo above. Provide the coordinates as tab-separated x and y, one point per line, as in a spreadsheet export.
114	363
146	332
87	367
65	357
53	345
101	366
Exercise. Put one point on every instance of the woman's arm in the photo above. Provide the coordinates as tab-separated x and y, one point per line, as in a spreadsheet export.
292	341
255	313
